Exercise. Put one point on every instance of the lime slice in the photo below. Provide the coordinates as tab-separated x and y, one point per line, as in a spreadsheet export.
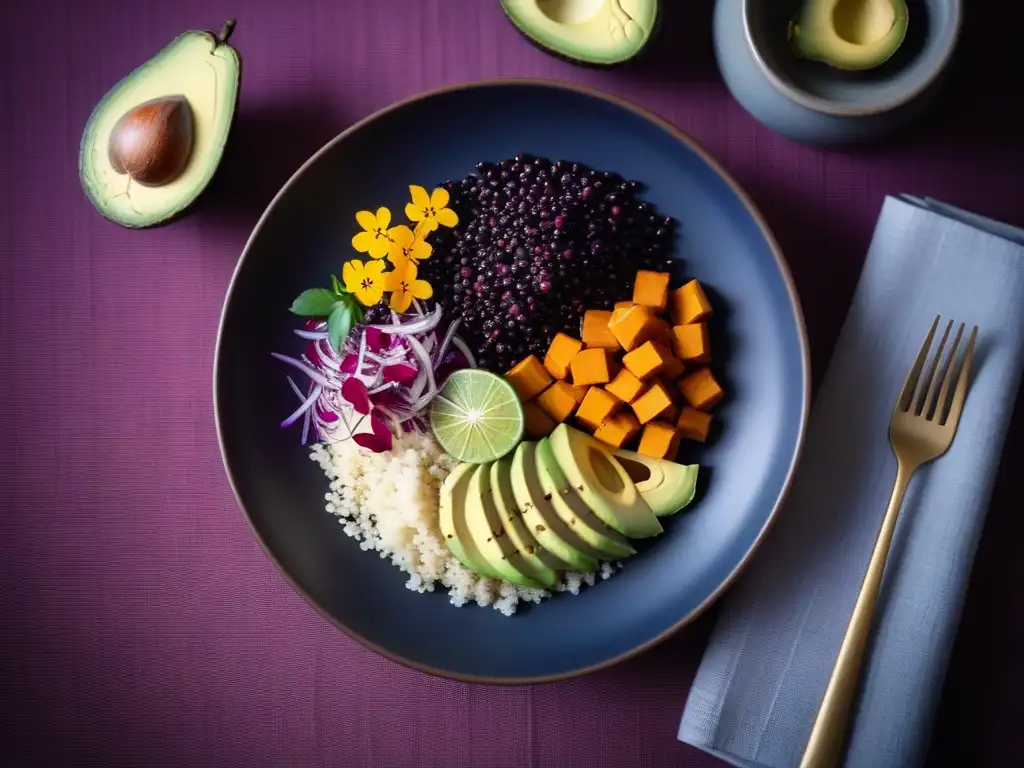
477	416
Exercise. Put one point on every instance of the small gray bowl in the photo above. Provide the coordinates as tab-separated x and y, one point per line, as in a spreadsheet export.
813	103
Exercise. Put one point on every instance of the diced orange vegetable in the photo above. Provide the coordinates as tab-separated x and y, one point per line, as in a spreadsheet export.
619	429
652	403
693	424
691	343
591	366
700	389
651	289
660	440
689	304
528	378
670	414
537	423
625	386
661	332
597	406
673	369
623	305
595	329
632	327
646	360
579	393
560	353
557	401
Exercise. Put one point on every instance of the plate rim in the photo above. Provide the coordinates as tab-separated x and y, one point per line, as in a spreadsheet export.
795	306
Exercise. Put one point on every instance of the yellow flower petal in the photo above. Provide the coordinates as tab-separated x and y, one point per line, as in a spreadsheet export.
389	281
412	213
379	248
439	198
402	235
424	228
420	250
400	300
420	289
362	242
370	295
373	270
447	217
351	274
419	195
366	220
383	217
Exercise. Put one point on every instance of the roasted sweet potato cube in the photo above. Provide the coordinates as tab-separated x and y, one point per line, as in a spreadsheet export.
673	369
625	386
660	440
592	366
558	401
693	424
689	304
691	343
560	353
528	378
651	289
700	389
647	360
537	423
632	327
619	429
653	402
597	406
595	329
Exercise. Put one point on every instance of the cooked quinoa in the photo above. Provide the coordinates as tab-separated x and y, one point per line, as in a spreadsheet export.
389	503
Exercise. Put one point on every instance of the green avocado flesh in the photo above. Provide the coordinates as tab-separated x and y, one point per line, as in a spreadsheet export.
667	487
602	483
603	542
601	32
483	526
849	34
540	517
203	70
454	493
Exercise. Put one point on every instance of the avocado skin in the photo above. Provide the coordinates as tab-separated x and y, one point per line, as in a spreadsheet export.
639	54
199	199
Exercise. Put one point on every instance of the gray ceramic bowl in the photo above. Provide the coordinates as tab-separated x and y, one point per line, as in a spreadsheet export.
811	102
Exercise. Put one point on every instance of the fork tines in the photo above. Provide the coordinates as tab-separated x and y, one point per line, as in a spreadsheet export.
919	396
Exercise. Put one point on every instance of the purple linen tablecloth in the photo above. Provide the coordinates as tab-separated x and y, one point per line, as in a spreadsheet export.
142	624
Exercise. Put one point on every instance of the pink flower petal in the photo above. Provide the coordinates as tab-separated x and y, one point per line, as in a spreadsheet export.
403	373
379	441
329	416
356	393
348	365
389	399
376	339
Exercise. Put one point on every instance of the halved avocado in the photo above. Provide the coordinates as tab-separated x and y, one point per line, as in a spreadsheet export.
198	74
537	562
574	512
539	516
849	34
667	487
486	534
603	483
454	493
596	32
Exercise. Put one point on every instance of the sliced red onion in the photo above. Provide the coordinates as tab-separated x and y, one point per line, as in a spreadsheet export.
460	345
311	335
306	405
439	352
305	427
417	306
420	325
313	374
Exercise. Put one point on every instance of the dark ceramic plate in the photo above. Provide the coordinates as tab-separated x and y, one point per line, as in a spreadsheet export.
758	339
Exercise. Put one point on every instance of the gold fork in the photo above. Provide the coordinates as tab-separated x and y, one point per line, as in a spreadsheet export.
921	429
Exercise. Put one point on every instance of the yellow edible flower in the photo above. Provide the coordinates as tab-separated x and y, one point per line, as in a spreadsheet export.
374	238
365	281
404	285
407	245
430	210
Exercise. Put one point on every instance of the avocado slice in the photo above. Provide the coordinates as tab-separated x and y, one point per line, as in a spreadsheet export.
175	112
539	516
849	34
454	493
534	560
603	483
595	32
667	487
492	548
573	510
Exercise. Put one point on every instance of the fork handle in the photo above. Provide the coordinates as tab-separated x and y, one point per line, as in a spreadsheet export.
825	745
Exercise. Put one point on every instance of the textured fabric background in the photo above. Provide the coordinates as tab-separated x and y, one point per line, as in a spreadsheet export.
141	623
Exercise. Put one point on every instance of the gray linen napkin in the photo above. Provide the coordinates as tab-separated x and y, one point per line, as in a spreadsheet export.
768	661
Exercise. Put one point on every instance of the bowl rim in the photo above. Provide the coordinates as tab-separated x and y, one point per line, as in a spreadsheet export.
795	307
836	109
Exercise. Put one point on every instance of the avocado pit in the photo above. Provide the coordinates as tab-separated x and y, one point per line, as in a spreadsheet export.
152	142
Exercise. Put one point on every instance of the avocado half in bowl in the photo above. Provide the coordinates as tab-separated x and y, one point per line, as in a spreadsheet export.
154	142
594	32
676	561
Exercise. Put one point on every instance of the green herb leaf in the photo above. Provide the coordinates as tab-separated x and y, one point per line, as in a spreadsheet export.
339	323
338	288
358	313
315	302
